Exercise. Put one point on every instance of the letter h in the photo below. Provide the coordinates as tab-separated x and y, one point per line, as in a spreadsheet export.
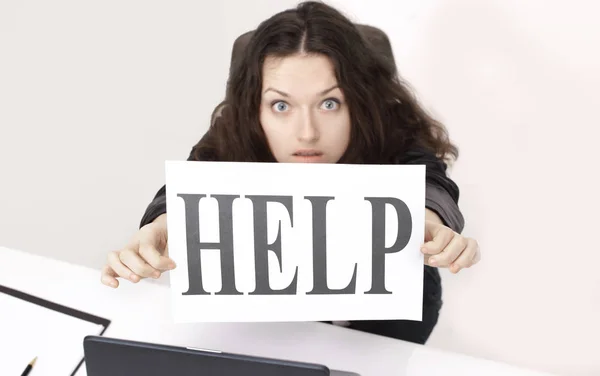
194	245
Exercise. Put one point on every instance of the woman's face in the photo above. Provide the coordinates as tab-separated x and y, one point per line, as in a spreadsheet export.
302	111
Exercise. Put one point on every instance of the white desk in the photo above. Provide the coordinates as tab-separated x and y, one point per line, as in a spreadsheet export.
142	312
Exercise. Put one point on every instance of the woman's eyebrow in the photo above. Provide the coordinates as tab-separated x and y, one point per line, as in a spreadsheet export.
284	94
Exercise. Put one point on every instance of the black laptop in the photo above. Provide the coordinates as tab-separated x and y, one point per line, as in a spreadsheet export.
106	356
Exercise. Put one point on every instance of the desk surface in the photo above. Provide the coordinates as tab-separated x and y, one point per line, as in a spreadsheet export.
142	312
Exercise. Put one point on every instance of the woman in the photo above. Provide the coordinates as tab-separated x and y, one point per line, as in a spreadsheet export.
309	88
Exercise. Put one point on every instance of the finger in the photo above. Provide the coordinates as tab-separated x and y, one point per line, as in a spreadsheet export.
120	269
108	277
115	263
134	261
466	258
456	246
440	236
153	257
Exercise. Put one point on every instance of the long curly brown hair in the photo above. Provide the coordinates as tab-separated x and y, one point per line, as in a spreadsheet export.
386	118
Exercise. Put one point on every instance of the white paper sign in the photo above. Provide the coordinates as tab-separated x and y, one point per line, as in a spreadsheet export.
295	242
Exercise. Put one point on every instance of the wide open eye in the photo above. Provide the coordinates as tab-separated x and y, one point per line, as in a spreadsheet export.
280	106
331	104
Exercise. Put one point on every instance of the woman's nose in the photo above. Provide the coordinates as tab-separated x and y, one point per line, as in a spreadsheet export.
307	129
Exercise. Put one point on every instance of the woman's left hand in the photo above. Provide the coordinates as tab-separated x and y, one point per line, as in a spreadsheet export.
445	248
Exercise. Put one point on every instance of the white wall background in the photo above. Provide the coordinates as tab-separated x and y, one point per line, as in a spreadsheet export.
95	96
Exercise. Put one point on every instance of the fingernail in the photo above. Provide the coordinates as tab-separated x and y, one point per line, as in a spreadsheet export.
171	266
156	275
113	284
133	277
423	249
432	261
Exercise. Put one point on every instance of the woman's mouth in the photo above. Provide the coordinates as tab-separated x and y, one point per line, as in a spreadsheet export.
308	155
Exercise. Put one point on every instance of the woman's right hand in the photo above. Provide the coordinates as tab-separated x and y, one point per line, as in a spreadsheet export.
145	256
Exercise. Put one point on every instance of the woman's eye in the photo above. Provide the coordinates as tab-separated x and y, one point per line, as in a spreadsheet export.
330	104
280	106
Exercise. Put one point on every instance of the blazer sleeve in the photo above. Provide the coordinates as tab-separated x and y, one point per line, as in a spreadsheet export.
158	205
441	192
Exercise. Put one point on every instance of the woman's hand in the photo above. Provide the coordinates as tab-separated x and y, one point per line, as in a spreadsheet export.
445	248
146	256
